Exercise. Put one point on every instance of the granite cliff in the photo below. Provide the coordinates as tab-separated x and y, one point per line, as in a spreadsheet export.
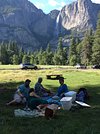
80	16
30	27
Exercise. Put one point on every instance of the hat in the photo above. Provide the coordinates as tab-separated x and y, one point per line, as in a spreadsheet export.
61	78
27	80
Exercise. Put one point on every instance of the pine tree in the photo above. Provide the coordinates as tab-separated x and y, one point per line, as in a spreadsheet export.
32	59
36	60
86	51
72	52
21	53
15	59
49	56
26	59
12	49
96	44
44	58
4	57
59	55
48	49
39	56
78	50
56	58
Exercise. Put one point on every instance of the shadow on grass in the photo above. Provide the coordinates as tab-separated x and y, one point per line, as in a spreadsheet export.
9	85
83	121
7	90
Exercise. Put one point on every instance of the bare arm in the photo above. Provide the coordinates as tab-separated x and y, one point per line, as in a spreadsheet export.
20	94
46	90
34	94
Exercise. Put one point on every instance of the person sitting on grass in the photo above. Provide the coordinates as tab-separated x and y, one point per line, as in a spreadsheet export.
21	95
82	95
40	90
34	101
62	88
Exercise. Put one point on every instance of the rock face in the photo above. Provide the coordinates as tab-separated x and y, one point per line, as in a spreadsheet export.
21	21
80	15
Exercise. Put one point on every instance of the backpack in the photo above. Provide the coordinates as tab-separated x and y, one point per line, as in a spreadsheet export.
82	95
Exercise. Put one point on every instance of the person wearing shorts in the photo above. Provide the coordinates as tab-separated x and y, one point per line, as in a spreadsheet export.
21	94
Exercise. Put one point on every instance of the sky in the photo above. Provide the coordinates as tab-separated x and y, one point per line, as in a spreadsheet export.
48	5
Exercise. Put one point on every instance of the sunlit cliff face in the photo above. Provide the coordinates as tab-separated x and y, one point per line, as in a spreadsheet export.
77	14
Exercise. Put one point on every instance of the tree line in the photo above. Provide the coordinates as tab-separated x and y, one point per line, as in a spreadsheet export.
85	51
11	53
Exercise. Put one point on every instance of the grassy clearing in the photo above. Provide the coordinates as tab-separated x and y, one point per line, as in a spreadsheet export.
9	66
39	66
81	121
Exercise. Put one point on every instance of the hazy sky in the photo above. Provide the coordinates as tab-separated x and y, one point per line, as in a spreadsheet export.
48	5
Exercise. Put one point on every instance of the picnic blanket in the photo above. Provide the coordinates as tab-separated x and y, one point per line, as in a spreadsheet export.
28	113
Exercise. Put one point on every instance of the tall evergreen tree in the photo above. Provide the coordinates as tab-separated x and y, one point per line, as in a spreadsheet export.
49	55
21	54
26	59
36	60
4	57
48	49
32	59
43	58
59	55
96	44
15	59
86	51
79	51
72	52
39	56
12	49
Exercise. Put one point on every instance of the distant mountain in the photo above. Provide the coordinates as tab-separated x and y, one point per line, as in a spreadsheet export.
79	16
24	23
21	21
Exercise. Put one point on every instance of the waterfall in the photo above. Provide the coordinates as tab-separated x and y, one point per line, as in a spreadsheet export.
57	25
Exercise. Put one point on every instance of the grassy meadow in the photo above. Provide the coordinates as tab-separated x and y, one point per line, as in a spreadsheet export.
80	121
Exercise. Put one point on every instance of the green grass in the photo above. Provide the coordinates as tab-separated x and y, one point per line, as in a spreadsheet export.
80	121
9	67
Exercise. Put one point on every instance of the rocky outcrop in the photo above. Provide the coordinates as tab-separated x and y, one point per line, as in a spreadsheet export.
21	21
80	15
45	27
15	19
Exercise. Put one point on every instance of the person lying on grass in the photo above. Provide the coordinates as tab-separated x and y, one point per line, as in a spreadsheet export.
35	102
40	90
21	94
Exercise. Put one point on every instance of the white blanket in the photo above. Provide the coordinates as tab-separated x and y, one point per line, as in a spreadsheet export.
28	113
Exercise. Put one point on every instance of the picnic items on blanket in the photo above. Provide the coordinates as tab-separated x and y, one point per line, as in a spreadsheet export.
50	111
82	104
71	94
28	113
66	103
